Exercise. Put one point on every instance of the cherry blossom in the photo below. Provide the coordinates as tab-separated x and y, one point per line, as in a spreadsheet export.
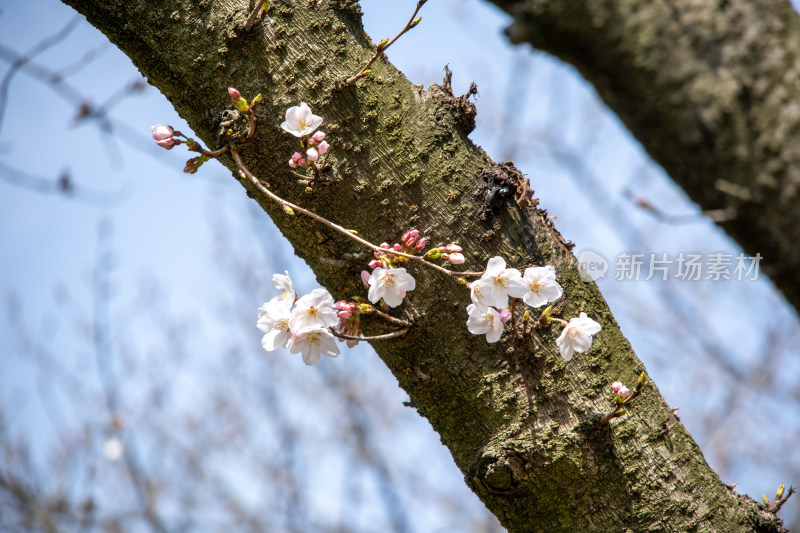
577	336
486	320
273	320
616	386
300	121
314	310
284	284
389	284
498	283
313	342
624	392
542	286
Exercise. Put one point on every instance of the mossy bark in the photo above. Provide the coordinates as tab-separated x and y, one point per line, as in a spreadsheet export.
520	422
709	89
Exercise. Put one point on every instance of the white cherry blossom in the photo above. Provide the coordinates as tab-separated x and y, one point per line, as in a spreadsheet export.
284	284
314	310
486	320
577	336
300	120
273	320
391	284
498	283
313	342
542	286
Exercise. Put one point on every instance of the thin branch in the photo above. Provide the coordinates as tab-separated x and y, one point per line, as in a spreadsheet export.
252	18
20	61
411	309
63	186
390	318
779	503
344	231
392	335
381	48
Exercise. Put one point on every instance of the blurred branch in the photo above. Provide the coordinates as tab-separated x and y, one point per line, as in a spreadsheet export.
21	60
62	186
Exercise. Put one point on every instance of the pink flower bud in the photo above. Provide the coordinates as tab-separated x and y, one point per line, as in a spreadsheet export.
346	314
452	248
384	245
623	392
297	156
505	315
397	247
323	147
456	259
312	154
318	137
339	305
293	163
420	244
616	386
365	274
167	143
235	94
374	264
301	162
162	132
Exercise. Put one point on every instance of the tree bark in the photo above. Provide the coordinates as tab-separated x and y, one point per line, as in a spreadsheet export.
710	90
521	424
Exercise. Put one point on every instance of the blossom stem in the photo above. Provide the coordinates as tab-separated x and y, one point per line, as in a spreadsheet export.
513	306
412	310
252	129
344	231
390	318
392	335
382	47
208	153
253	14
309	178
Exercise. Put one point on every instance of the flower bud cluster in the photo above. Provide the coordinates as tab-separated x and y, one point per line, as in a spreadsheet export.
410	244
451	252
165	136
621	390
349	314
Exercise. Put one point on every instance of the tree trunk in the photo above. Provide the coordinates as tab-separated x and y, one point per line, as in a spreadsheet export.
710	90
521	424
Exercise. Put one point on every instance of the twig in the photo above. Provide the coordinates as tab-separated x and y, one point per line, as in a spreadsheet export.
344	231
253	14
618	411
383	46
514	319
779	503
252	130
390	318
412	310
392	335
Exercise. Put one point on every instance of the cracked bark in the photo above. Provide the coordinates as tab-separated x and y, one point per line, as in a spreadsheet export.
710	90
520	423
